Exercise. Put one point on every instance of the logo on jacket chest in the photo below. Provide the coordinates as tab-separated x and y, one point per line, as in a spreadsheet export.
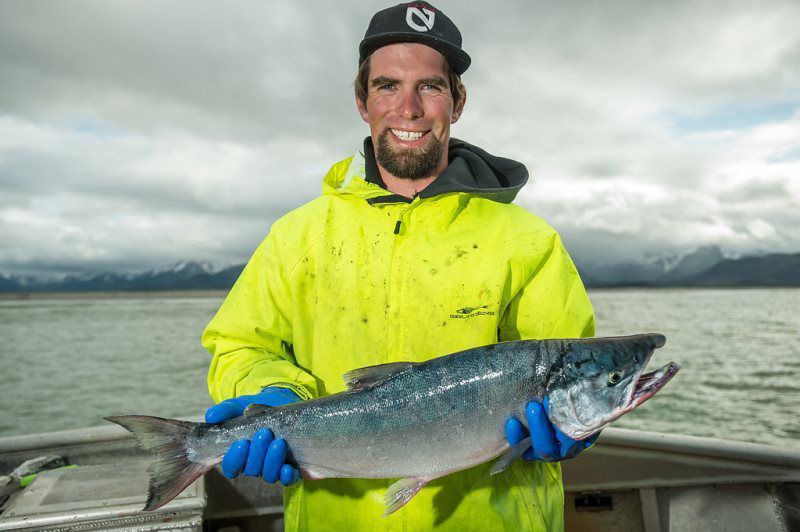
472	312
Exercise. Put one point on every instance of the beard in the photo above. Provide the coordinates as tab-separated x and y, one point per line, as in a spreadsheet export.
410	163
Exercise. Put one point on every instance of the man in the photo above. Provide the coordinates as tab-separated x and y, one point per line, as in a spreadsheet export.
413	251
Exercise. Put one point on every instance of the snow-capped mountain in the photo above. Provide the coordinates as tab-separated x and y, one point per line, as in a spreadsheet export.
183	275
706	266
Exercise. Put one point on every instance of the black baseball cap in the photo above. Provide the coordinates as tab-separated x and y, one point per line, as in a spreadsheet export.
417	22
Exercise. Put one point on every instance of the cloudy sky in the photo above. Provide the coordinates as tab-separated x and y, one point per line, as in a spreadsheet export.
138	133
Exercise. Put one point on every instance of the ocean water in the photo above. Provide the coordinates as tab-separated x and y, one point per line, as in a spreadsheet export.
739	352
66	363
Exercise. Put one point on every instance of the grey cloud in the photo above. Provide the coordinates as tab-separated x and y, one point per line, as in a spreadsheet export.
131	240
758	191
677	49
177	172
229	71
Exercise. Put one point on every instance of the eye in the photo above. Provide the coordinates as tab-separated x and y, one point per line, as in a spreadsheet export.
430	87
614	377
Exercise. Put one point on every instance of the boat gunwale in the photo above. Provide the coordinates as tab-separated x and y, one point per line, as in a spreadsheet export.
611	437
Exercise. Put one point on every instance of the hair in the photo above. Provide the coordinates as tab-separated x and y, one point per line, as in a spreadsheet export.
361	83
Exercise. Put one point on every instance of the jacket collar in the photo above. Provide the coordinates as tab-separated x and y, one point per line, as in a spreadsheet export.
470	170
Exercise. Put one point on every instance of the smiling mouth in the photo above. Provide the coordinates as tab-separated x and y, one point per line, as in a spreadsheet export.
408	135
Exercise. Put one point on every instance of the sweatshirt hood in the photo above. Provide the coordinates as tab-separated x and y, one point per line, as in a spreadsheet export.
470	169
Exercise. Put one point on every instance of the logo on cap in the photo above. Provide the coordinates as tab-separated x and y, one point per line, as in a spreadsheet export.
426	16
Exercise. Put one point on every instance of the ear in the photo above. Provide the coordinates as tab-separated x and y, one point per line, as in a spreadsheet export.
362	110
457	110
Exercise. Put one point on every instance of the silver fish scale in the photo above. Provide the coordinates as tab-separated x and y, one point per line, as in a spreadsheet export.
431	419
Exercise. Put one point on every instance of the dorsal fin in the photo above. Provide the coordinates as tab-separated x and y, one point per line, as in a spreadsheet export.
254	409
361	378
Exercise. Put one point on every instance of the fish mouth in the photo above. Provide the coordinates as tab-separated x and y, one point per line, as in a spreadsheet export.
648	384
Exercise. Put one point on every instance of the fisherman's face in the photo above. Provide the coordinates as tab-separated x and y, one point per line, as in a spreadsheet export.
409	109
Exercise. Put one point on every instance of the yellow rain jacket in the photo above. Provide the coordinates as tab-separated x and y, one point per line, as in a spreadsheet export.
359	277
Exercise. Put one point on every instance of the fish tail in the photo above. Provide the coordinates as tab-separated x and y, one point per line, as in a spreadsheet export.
172	469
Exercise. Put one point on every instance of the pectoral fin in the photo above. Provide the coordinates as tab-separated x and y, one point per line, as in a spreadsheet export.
401	492
510	455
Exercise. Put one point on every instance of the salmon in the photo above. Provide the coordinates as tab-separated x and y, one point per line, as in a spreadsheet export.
418	421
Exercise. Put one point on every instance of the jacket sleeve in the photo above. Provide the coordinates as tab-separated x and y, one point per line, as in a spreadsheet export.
552	302
250	337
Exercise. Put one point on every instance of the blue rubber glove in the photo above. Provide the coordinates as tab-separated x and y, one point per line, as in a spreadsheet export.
548	444
264	455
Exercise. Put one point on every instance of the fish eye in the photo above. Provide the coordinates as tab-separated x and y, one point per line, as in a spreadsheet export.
614	377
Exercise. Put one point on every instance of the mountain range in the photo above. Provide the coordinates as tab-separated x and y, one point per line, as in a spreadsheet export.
184	275
705	267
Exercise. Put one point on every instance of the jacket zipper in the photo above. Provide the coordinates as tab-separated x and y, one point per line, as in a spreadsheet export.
404	212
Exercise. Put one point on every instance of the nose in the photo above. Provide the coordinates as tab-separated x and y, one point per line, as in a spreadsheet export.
411	105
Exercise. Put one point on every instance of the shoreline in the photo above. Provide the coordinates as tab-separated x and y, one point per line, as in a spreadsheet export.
221	293
121	294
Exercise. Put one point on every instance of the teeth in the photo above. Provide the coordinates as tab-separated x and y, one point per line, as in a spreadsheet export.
407	135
